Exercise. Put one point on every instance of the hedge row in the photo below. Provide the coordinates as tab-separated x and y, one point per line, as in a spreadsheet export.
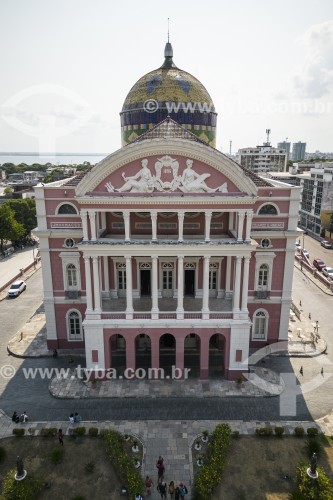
210	473
127	473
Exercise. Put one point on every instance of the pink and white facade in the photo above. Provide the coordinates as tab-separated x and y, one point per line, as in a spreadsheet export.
167	253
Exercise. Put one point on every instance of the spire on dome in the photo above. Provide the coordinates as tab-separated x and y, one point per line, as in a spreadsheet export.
168	53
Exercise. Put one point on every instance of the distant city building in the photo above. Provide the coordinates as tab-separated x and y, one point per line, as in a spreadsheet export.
317	198
298	152
318	154
263	158
286	146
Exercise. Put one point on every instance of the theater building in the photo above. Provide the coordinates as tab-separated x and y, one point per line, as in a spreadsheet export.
167	253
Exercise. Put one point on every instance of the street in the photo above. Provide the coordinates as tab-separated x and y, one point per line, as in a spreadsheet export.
33	396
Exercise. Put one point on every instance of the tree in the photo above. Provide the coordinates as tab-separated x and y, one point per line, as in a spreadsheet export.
10	229
24	213
8	191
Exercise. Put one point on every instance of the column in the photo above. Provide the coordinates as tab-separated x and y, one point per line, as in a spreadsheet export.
205	292
126	216
92	219
240	224
237	283
155	354
249	216
103	220
84	216
106	275
154	294
180	354
228	278
245	283
88	284
180	296
153	216
208	218
130	355
181	216
129	286
204	358
231	221
97	291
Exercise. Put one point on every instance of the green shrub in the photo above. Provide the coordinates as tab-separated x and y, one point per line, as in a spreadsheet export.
214	461
299	431
2	453
48	432
235	434
93	431
126	471
79	431
89	467
307	489
264	431
313	445
56	455
312	431
18	432
20	490
279	431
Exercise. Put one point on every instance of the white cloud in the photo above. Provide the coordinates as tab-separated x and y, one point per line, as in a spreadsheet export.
314	78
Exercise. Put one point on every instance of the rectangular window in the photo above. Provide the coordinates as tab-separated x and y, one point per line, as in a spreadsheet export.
167	280
122	280
212	280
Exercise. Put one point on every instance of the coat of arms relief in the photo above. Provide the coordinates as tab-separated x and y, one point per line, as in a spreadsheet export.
166	179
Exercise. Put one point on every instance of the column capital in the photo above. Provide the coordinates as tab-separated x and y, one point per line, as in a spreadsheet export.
153	213
126	214
128	257
181	214
83	214
207	257
91	212
249	214
208	214
154	257
241	214
86	258
95	258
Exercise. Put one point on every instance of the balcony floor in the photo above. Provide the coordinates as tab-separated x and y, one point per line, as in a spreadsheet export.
144	304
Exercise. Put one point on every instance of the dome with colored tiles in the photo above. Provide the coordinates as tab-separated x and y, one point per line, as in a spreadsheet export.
168	91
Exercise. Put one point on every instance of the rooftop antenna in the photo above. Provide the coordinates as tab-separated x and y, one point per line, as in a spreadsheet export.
168	30
230	144
268	131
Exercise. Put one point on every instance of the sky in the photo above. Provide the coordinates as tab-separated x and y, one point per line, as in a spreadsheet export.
67	66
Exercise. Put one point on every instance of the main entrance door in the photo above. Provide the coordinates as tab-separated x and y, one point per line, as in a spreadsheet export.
145	282
189	277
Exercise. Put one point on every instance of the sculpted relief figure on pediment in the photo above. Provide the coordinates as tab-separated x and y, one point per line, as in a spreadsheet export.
166	179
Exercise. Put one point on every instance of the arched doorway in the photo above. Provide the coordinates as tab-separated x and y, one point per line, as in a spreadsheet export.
142	351
118	353
192	354
216	355
167	353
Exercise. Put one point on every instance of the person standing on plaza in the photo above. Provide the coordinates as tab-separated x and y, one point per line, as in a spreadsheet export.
60	435
160	468
148	484
162	489
171	490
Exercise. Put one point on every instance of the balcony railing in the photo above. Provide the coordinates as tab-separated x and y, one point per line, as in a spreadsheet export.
262	294
167	315
72	294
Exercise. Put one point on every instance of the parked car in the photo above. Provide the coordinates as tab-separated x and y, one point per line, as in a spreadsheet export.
319	264
298	246
17	288
306	253
326	244
328	272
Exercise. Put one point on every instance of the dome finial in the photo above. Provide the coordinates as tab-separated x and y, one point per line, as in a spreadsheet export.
168	52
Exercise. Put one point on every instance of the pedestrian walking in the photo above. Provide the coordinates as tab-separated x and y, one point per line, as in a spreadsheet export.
138	497
300	303
177	494
149	485
162	489
15	417
71	418
322	371
60	435
301	370
309	315
182	491
160	468
171	490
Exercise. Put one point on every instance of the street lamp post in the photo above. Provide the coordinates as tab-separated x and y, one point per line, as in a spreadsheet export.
33	256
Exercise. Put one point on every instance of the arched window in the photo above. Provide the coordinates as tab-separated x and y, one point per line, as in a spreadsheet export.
74	326
267	210
260	323
263	276
71	276
67	209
